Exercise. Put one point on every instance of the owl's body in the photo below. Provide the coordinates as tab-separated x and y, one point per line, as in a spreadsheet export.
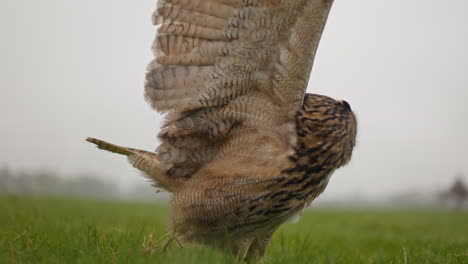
243	150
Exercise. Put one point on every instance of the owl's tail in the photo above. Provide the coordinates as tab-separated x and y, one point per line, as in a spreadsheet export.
145	161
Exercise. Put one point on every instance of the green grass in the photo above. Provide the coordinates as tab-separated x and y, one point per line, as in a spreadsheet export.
46	230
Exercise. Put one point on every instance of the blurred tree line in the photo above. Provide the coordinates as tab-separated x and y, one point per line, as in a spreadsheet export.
84	185
47	182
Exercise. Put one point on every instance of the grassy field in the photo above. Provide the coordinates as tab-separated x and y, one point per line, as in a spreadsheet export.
46	230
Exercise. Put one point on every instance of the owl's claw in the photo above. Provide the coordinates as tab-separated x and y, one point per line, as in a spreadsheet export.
170	240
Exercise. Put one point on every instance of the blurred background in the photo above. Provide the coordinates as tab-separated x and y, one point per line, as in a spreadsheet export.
73	69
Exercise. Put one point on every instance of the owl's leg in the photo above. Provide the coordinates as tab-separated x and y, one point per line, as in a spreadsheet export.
258	248
241	247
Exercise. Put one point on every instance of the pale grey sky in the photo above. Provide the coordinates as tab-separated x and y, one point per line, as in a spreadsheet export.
72	69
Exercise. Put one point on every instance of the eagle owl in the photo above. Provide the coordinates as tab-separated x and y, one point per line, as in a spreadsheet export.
244	148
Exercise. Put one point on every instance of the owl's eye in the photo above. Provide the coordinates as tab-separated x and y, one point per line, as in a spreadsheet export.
346	105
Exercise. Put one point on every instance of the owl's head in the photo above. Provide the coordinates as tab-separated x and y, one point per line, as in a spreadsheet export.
327	129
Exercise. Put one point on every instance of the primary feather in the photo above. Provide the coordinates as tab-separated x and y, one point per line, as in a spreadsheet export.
230	72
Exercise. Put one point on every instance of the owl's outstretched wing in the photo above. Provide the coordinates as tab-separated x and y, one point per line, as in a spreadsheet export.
230	76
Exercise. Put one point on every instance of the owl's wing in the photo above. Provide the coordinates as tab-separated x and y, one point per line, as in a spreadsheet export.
230	76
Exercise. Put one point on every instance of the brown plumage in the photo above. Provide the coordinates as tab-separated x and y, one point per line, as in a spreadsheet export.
243	147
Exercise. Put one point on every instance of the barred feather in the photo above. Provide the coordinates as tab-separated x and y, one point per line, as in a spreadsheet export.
241	150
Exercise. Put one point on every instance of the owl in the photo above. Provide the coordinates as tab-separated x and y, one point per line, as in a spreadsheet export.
244	148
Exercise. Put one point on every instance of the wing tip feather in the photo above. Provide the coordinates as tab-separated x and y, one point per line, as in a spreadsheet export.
101	144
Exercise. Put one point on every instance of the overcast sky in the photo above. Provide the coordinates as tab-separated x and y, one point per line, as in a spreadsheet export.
73	69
